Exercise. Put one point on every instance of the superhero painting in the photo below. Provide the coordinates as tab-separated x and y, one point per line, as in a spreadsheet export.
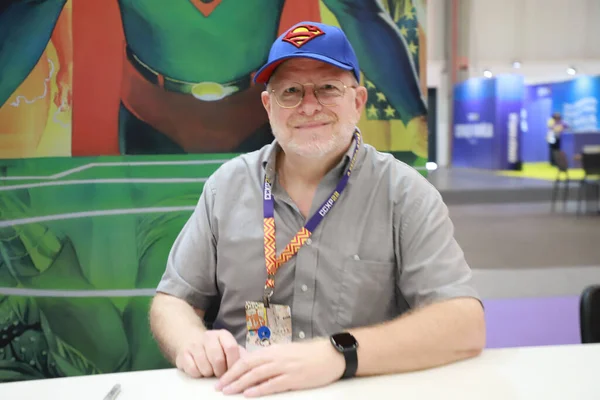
149	97
186	72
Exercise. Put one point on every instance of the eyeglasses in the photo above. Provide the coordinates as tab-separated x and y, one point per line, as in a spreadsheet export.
328	93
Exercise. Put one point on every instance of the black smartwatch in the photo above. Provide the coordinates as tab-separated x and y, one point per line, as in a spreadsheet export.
346	344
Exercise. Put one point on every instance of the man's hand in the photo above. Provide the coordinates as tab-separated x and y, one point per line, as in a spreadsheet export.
281	368
211	355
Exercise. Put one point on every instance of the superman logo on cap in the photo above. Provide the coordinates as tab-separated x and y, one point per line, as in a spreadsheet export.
302	34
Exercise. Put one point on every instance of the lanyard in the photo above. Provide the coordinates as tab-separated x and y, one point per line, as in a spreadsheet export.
271	260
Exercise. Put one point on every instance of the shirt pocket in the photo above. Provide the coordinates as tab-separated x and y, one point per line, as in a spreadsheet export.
367	294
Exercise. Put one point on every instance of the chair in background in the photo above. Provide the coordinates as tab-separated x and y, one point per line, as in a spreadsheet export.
590	162
589	314
561	162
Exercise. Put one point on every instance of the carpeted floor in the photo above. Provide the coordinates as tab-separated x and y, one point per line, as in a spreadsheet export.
542	170
516	236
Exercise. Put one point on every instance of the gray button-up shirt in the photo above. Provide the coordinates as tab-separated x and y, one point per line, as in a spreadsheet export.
386	246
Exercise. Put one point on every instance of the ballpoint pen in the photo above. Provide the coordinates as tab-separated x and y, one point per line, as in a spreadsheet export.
114	392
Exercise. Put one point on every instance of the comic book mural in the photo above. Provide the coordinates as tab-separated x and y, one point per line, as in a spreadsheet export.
112	115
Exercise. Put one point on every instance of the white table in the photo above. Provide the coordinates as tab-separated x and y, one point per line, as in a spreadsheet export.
552	372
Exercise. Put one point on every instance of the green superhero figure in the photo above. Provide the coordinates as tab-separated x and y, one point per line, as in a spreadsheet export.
189	63
187	83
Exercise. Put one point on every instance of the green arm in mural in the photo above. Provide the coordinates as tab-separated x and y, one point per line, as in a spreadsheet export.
155	234
53	336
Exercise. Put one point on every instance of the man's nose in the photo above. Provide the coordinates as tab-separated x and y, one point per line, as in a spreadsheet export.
309	104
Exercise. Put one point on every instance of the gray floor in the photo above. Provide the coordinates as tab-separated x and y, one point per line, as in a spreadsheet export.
523	250
534	282
516	246
470	186
460	179
513	236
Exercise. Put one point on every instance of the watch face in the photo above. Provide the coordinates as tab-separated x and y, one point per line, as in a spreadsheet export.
344	341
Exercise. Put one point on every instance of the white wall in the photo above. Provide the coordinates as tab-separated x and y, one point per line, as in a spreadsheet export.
546	36
437	75
540	71
534	30
436	17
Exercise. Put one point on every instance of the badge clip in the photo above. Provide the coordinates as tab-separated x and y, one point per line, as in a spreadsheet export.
267	296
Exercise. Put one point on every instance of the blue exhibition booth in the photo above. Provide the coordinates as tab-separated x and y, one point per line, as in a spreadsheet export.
500	122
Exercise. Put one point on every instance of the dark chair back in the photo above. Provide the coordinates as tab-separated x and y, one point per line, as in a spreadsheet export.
589	314
561	161
590	163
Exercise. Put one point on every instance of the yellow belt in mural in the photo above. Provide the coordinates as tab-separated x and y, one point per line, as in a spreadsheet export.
206	91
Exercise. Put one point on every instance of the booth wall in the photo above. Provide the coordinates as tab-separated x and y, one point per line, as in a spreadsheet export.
546	36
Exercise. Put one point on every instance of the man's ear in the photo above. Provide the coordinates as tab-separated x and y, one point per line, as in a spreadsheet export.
266	101
361	99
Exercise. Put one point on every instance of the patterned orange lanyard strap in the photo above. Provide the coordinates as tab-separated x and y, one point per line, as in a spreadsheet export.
271	260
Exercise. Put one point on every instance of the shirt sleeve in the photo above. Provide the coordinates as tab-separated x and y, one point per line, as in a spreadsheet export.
432	264
191	266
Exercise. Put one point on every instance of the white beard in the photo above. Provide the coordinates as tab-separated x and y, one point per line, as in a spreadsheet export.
316	147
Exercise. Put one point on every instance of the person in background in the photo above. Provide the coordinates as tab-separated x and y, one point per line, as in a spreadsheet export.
556	126
327	258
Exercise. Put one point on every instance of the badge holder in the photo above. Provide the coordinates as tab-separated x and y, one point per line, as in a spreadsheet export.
267	323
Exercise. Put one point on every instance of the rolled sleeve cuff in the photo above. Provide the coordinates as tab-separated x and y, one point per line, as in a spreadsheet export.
180	289
448	293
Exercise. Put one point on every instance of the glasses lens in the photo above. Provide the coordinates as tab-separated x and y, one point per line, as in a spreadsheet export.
330	92
289	94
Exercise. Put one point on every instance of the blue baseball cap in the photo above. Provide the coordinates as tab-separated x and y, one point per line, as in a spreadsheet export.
311	40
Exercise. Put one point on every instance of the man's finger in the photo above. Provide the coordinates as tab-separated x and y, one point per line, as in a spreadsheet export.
186	364
201	361
216	356
274	385
243	365
252	378
230	348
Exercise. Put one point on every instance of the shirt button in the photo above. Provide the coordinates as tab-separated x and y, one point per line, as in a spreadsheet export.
304	288
356	257
301	335
309	241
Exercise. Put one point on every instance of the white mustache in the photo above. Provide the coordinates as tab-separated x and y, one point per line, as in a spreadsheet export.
319	120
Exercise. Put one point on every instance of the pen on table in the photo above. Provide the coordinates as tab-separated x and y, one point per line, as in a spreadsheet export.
114	392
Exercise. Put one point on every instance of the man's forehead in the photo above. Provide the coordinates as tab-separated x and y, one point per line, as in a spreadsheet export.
307	65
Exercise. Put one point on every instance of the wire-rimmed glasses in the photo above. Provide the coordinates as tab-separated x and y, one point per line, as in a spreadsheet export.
290	94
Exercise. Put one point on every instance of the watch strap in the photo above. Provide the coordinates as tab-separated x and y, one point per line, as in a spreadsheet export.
351	363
